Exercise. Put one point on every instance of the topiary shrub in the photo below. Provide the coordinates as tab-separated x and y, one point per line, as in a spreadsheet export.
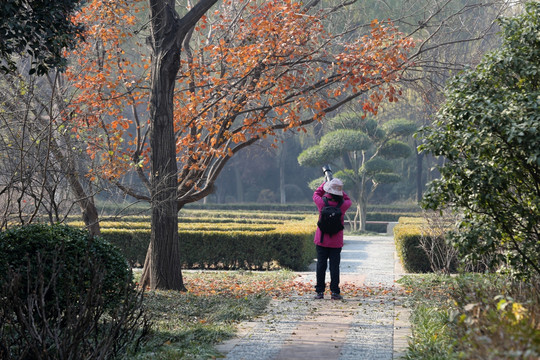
70	253
64	295
407	237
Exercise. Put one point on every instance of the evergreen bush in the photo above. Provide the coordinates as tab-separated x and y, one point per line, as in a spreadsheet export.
64	295
68	251
407	237
287	245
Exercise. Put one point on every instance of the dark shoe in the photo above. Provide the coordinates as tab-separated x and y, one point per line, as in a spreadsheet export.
319	296
336	296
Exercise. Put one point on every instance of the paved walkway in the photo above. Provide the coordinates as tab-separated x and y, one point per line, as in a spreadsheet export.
359	327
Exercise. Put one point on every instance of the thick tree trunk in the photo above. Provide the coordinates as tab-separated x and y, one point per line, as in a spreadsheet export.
90	216
162	264
162	268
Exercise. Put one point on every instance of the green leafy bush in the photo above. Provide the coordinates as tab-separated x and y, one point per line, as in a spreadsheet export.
497	317
66	296
72	250
488	133
407	236
473	316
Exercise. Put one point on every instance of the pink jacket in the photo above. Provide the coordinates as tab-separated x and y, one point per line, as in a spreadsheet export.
335	240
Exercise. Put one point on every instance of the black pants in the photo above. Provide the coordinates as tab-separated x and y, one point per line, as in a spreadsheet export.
323	255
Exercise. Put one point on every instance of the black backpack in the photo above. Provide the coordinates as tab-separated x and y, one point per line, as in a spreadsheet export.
330	219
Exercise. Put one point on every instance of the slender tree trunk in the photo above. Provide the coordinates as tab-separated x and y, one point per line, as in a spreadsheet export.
239	185
362	202
419	173
362	206
86	201
283	197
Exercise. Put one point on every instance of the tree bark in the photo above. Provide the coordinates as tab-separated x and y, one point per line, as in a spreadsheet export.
162	268
86	201
419	173
239	185
281	161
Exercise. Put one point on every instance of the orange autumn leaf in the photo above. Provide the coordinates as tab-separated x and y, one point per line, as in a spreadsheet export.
248	75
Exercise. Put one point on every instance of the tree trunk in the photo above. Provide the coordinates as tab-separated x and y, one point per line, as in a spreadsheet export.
419	173
282	197
86	201
239	185
162	268
90	216
362	207
362	202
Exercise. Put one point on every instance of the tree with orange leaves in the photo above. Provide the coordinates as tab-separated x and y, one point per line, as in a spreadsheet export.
219	82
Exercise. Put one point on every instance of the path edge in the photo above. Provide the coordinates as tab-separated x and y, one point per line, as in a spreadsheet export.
402	325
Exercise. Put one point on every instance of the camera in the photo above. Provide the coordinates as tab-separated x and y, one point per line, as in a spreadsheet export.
327	172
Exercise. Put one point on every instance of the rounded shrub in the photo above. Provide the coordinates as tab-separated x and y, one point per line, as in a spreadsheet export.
65	260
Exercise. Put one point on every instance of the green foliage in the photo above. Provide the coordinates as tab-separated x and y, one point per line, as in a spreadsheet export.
433	335
63	295
473	317
287	244
400	128
497	317
339	141
433	339
312	156
69	256
40	29
395	149
376	166
386	178
407	236
488	130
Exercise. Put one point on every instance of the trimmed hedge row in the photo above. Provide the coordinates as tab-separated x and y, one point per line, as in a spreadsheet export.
142	208
288	245
387	216
407	235
203	226
378	228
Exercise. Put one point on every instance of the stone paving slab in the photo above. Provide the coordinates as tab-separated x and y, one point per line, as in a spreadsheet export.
375	327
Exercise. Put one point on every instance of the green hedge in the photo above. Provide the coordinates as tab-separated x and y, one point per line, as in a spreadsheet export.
143	208
66	260
289	247
378	228
407	236
388	216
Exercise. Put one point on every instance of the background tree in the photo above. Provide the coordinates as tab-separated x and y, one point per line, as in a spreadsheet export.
363	149
43	164
249	69
488	131
38	29
452	35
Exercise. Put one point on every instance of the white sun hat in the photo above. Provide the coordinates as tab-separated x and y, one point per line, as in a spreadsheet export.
334	186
